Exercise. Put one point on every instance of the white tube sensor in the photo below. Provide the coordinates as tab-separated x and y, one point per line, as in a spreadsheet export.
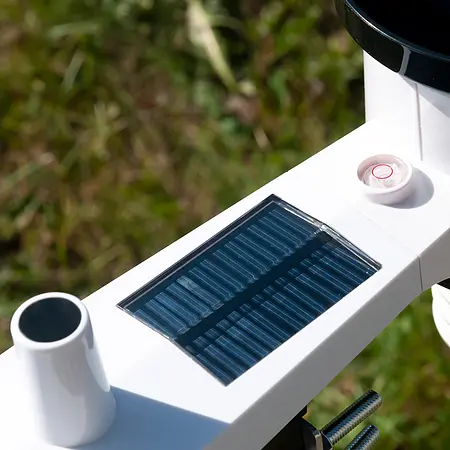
69	396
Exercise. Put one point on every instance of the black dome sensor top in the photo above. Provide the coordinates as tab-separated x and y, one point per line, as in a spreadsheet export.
409	37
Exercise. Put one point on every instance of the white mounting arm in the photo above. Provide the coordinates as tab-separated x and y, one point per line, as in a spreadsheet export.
166	401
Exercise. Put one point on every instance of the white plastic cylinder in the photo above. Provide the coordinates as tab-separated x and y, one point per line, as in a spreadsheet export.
386	92
389	95
69	398
423	113
434	114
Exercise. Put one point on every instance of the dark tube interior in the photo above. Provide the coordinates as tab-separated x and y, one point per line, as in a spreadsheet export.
424	23
50	319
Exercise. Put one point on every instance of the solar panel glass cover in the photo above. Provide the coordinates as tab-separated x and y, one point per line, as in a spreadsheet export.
251	287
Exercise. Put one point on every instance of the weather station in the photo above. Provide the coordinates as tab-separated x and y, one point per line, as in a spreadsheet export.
221	340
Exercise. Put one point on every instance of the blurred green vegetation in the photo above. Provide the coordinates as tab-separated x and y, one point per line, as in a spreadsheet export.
127	123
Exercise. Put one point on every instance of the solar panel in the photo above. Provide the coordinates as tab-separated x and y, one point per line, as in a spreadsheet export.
250	288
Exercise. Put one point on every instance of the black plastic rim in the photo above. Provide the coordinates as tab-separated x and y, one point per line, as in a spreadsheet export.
410	38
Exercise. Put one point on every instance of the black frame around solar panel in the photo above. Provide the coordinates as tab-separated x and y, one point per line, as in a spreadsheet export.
250	288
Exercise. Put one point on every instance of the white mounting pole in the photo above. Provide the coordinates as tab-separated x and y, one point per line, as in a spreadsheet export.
70	400
388	94
424	115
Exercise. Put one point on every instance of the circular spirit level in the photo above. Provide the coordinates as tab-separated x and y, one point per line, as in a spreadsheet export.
386	179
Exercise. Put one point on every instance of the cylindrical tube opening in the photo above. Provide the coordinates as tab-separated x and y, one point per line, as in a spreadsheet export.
424	23
50	319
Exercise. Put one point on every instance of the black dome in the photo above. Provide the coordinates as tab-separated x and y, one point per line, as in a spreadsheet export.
409	37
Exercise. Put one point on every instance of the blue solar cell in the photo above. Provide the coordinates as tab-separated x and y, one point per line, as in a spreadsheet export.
250	288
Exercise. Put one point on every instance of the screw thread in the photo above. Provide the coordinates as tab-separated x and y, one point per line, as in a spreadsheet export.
352	416
366	439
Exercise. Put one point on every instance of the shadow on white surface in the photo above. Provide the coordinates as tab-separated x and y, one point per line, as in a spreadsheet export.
423	192
143	423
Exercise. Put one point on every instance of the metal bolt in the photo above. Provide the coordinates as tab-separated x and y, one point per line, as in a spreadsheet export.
365	440
352	416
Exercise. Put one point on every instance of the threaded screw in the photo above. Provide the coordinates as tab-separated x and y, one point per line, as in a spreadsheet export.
366	439
352	416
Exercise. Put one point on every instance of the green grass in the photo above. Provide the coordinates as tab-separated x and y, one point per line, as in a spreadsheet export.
127	123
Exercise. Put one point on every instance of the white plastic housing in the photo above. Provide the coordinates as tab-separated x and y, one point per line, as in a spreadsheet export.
423	113
166	401
67	400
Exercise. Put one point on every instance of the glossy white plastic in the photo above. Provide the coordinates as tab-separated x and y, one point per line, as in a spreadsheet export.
435	127
421	112
67	398
388	95
168	402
